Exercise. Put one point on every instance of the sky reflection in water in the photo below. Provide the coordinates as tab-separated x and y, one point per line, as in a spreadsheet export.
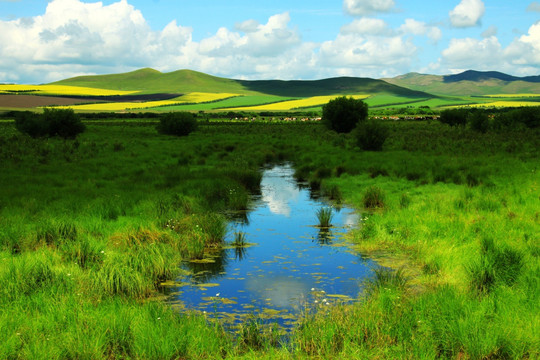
293	263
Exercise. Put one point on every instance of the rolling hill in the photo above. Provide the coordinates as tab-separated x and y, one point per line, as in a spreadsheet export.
468	83
186	81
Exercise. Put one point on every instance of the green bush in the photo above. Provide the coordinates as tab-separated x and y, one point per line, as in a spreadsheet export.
31	124
342	114
371	135
53	122
478	121
177	123
454	117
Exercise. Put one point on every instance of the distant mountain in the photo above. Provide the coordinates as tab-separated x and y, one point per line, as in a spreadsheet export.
183	81
472	75
468	83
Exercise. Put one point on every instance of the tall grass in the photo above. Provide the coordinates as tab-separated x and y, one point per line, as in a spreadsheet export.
324	215
88	239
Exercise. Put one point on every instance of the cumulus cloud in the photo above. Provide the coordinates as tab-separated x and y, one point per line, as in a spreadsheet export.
489	32
366	26
420	28
72	33
521	57
534	6
367	7
367	47
467	13
269	39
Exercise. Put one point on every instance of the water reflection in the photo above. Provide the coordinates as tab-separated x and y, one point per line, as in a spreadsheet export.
324	236
290	263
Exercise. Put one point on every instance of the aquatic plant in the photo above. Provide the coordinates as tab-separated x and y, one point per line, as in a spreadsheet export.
324	215
239	239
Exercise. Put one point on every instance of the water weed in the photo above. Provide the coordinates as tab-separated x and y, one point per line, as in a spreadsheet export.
324	215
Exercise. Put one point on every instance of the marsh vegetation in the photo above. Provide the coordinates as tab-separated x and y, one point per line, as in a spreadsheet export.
91	229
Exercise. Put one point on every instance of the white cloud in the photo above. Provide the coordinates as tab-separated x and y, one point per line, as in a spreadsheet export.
467	13
490	31
366	7
525	51
420	28
270	39
521	57
534	6
366	26
367	53
72	33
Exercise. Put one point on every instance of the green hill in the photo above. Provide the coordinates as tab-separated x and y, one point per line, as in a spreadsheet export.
469	83
184	81
152	81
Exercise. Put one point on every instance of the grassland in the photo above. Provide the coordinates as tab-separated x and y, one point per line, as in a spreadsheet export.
86	241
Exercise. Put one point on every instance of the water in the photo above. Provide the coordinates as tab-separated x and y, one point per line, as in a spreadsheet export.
292	265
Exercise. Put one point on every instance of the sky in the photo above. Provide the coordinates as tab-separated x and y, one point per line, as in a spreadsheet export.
43	41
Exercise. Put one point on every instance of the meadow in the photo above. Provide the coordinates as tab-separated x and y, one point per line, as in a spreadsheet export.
91	228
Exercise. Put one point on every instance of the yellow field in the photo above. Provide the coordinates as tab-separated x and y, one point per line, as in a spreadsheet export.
295	104
61	90
190	98
504	104
511	95
200	97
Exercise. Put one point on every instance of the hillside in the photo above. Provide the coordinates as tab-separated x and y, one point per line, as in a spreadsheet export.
468	83
185	81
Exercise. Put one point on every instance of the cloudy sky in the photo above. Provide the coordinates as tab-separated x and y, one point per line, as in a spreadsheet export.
43	41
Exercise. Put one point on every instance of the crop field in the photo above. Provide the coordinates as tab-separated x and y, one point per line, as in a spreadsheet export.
61	90
91	228
296	104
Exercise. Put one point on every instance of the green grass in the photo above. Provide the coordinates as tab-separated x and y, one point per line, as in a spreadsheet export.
89	230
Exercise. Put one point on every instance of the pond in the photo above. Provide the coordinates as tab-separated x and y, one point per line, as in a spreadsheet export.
290	265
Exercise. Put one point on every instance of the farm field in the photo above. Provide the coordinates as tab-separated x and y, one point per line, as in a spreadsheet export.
184	90
102	221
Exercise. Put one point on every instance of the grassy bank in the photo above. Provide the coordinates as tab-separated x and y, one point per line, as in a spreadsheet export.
90	228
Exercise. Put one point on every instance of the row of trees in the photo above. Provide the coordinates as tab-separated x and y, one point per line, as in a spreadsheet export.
483	120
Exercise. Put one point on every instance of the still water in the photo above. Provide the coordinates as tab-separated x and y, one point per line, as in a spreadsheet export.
290	265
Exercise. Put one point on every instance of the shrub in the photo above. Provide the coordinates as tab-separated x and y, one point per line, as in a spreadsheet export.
178	123
342	114
53	122
478	121
31	124
371	135
63	122
454	117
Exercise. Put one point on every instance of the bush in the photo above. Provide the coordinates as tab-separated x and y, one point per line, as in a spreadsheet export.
371	135
53	122
178	123
63	122
454	117
31	124
478	121
342	114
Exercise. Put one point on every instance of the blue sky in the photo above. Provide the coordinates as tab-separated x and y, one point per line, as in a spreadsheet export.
43	41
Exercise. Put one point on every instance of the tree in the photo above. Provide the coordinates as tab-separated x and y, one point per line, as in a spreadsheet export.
53	122
177	123
342	114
